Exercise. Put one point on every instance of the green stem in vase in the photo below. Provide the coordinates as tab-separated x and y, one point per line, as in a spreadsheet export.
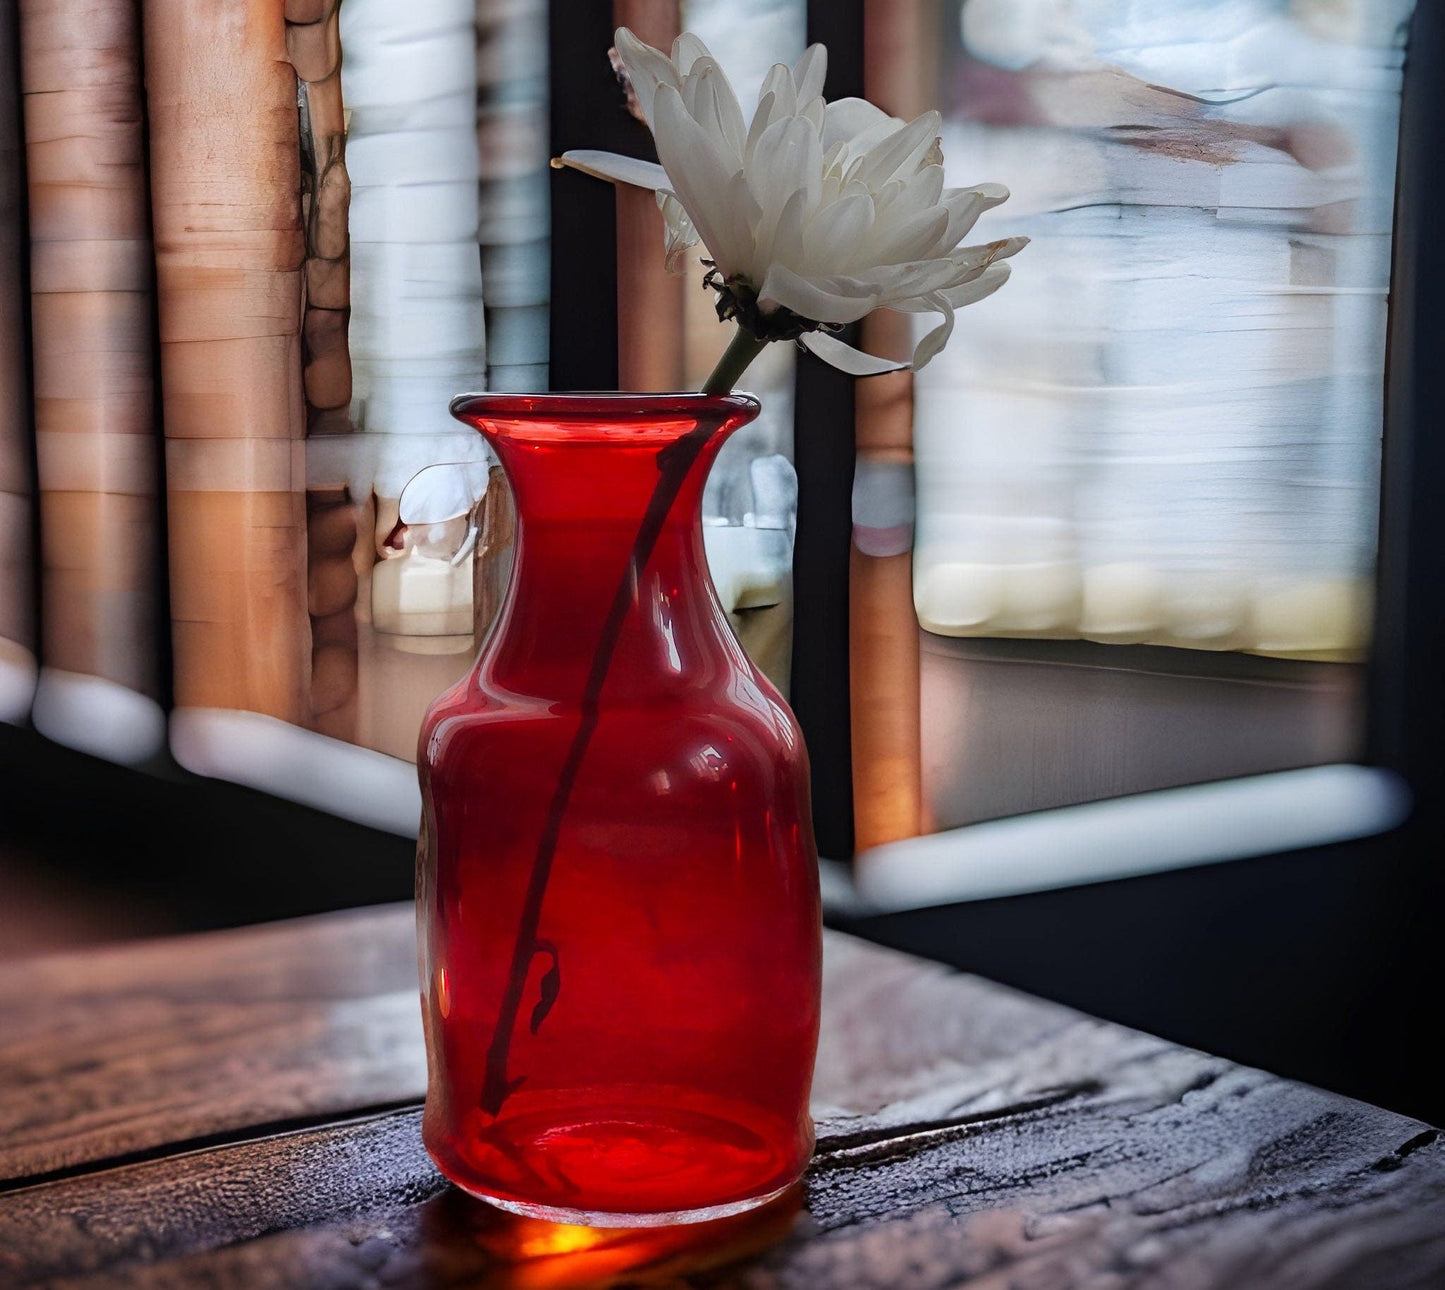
735	360
673	463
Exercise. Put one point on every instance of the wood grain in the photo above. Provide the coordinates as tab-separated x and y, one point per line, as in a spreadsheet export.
968	1135
110	1053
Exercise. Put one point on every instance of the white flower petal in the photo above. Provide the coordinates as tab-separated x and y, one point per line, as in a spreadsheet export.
992	193
834	299
701	172
973	260
788	156
894	282
779	83
884	197
856	363
615	168
829	210
911	239
845	119
925	187
647	68
679	229
782	237
970	292
901	151
861	144
713	105
809	73
836	233
744	211
845	358
965	205
909	194
898	282
686	50
762	118
931	344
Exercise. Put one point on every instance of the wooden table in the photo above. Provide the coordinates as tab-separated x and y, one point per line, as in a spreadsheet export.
241	1109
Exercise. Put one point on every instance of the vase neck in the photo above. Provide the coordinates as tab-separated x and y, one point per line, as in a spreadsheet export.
609	497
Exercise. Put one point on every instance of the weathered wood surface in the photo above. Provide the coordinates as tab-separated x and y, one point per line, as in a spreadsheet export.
115	1052
968	1136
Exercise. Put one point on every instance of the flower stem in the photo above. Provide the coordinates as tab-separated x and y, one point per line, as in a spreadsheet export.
740	352
674	463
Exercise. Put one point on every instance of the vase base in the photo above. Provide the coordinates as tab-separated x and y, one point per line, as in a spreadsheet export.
629	1156
595	1218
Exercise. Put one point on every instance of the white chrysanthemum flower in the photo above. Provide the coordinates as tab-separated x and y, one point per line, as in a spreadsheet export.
815	214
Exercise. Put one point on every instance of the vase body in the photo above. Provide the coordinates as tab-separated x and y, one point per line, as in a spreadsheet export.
620	936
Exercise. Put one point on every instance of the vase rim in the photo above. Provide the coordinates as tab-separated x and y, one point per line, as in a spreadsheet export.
606	417
584	403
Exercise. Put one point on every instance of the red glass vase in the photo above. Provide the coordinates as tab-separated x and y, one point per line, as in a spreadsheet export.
617	881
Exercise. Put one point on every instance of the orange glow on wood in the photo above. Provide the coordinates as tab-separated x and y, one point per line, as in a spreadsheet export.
533	1253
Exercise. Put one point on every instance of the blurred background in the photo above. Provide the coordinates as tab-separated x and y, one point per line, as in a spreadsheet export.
1167	490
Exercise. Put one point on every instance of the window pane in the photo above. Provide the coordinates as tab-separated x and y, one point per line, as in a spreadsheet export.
1166	428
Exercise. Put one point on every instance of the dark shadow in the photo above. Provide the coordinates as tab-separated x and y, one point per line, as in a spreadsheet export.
166	849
